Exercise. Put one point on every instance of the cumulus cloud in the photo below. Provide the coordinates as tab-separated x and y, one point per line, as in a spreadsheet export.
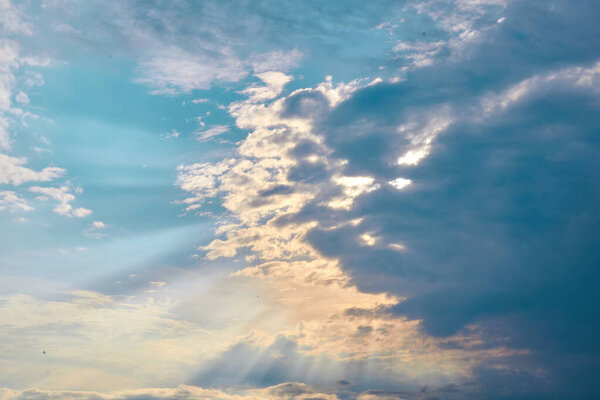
283	183
13	171
456	193
13	201
274	82
64	197
494	185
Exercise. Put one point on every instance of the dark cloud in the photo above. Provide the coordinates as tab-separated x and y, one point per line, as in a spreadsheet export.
279	189
502	221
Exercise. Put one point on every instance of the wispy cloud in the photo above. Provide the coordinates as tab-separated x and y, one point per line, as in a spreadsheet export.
207	134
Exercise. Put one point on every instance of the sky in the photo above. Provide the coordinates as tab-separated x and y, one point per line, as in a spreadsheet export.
316	200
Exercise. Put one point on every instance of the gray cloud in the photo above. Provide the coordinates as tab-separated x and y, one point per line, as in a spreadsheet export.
500	222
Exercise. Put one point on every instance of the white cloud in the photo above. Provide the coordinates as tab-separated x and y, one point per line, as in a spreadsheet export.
11	19
420	53
175	70
12	201
211	132
60	194
13	171
169	68
421	128
276	61
353	186
99	225
173	134
368	239
64	197
75	212
5	142
65	28
274	84
400	183
578	77
22	98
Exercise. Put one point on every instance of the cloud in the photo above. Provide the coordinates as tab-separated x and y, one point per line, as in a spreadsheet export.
492	239
462	26
271	209
12	20
89	337
579	78
437	224
9	60
493	215
178	71
173	134
13	171
12	201
64	197
274	82
282	61
99	225
287	391
400	183
212	132
195	47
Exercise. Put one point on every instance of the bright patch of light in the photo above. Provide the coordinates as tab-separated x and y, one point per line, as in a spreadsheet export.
353	186
368	239
398	246
400	183
413	157
313	158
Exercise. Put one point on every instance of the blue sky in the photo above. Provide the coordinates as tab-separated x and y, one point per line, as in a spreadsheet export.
299	200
